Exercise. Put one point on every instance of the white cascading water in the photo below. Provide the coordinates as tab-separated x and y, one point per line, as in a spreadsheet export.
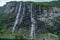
17	18
22	14
32	33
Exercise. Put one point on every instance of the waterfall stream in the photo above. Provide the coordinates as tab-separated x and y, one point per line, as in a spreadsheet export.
33	22
32	33
22	14
17	18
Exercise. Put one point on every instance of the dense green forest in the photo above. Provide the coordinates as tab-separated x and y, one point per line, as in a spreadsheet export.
46	4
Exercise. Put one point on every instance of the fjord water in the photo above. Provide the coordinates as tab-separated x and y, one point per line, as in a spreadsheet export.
17	18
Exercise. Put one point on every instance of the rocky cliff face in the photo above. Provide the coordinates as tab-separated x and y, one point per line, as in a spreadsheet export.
45	17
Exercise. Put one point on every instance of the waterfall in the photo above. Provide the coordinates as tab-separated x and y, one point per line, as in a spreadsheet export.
32	33
22	14
17	18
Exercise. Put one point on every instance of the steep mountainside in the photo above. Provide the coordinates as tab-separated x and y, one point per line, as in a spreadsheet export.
30	18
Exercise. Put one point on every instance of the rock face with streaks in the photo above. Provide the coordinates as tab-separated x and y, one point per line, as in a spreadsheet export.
43	16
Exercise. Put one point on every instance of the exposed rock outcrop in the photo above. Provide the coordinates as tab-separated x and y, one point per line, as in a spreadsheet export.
45	17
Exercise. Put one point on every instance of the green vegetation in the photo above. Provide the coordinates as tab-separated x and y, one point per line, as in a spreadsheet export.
43	4
22	37
59	37
46	4
12	36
